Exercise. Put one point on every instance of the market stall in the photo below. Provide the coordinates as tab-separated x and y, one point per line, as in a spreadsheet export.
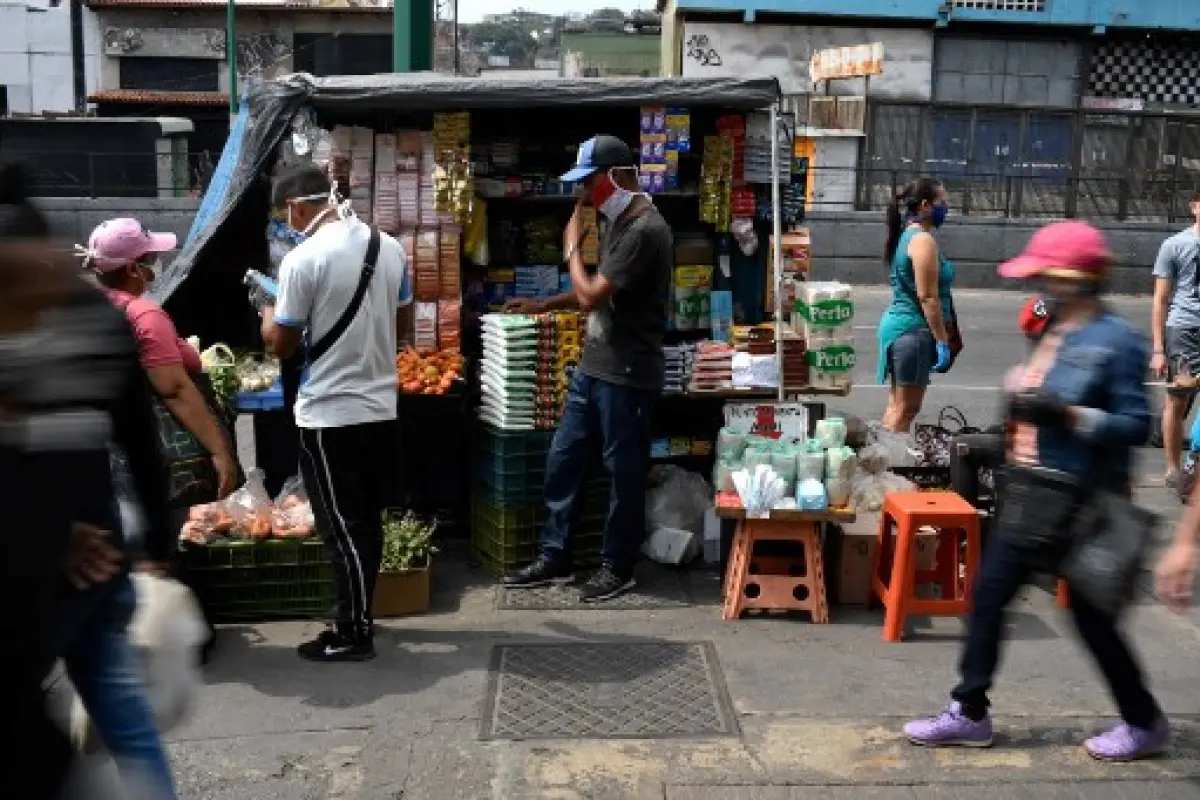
470	188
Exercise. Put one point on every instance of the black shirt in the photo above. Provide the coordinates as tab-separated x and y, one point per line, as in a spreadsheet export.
625	332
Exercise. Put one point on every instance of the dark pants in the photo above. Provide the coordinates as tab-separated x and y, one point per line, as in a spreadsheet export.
347	472
1006	568
616	421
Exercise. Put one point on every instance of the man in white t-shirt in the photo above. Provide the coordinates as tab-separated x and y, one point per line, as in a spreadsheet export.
340	294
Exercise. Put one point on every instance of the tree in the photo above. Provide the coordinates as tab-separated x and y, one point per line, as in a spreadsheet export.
505	39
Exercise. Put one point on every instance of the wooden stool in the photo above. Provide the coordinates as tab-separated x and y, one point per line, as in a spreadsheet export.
776	583
894	574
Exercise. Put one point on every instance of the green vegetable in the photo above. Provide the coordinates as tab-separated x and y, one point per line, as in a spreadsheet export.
407	542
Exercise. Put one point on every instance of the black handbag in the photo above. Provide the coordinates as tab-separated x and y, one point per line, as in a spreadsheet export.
1036	509
1111	537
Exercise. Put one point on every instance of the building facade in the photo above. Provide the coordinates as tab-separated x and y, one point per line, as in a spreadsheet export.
1024	107
37	68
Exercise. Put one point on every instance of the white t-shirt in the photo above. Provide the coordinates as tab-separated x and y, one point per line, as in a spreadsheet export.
354	382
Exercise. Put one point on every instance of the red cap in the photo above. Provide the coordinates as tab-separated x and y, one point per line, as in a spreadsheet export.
1073	249
1033	317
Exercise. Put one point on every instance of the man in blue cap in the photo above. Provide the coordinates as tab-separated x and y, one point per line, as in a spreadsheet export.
611	397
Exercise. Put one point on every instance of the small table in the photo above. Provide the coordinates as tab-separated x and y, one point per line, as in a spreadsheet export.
775	583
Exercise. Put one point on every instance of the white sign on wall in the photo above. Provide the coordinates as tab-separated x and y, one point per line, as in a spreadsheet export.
716	49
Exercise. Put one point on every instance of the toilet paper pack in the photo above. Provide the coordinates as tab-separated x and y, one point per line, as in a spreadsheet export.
831	363
827	309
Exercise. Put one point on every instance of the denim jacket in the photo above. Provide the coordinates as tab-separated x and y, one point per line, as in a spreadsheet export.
1100	368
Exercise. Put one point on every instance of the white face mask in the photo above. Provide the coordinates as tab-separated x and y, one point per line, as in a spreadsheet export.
336	204
619	201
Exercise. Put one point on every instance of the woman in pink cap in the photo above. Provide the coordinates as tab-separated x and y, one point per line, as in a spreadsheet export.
125	258
1075	412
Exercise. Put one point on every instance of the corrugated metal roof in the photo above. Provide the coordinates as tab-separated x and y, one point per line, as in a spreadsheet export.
258	5
160	98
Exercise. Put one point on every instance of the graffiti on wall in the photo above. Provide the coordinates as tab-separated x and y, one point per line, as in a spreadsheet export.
700	50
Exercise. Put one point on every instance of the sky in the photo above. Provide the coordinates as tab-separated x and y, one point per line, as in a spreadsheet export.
471	10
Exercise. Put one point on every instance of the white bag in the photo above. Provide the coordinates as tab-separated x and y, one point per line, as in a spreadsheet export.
166	631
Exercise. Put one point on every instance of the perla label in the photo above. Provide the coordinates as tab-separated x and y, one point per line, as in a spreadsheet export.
836	358
830	313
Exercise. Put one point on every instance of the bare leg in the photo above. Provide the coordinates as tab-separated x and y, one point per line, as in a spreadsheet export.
905	405
1174	412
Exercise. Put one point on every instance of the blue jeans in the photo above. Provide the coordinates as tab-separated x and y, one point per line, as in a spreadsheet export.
91	639
616	421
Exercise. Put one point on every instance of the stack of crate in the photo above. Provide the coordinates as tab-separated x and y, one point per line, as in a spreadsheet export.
507	506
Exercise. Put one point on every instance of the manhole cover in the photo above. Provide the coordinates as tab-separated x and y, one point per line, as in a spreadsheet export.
657	587
625	690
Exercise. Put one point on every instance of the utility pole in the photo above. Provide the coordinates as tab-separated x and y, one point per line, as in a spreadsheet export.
231	57
412	35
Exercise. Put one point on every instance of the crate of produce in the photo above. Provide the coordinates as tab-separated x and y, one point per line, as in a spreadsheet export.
240	581
505	540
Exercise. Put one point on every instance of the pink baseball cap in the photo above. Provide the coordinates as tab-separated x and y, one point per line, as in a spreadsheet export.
1067	249
122	241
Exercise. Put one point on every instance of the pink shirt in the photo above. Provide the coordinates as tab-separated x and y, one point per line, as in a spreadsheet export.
159	344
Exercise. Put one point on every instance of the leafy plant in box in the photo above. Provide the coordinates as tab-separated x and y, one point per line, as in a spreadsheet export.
407	542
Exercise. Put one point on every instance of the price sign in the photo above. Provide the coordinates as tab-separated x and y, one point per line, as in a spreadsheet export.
772	420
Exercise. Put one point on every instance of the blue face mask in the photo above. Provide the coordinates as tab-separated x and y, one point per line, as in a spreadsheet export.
937	215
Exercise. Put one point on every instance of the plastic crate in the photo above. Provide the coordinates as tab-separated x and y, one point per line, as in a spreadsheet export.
518	490
256	581
507	539
511	452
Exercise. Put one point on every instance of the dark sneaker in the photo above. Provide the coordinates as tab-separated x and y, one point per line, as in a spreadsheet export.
951	728
331	646
1127	743
605	584
543	572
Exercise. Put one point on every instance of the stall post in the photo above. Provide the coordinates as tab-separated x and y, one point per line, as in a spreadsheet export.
232	54
777	249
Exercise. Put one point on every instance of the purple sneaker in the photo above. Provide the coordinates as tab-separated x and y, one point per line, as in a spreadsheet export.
951	728
1123	742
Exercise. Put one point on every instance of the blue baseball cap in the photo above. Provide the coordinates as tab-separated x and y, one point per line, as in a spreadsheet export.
599	152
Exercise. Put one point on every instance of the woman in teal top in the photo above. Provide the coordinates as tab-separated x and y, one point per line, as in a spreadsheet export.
914	338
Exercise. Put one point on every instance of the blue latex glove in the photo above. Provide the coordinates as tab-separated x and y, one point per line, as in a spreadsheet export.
943	357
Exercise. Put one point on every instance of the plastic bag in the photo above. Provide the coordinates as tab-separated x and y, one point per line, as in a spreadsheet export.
165	631
870	488
886	450
292	516
679	500
250	507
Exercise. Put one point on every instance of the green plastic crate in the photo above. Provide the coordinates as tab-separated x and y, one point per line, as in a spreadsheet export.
503	451
506	539
521	489
240	581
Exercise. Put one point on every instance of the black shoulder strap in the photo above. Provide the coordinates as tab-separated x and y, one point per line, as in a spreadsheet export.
339	328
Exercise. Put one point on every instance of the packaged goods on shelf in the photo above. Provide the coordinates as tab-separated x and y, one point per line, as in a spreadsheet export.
712	366
545	389
721	314
449	324
678	359
449	274
589	251
716	181
385	203
691	289
831	363
536	281
425	325
827	310
426	282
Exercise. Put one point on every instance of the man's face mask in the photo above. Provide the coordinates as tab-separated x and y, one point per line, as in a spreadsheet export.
610	199
332	206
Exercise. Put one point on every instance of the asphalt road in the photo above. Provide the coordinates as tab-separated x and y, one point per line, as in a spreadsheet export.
992	344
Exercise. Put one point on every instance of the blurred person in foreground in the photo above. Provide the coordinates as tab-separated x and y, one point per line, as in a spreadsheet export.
1175	579
343	292
612	394
71	392
1077	407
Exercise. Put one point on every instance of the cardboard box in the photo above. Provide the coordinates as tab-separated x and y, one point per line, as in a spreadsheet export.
854	557
927	545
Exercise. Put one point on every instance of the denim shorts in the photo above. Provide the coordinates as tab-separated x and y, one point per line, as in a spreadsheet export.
911	357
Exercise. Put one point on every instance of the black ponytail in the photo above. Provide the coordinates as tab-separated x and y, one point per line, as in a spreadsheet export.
19	217
910	198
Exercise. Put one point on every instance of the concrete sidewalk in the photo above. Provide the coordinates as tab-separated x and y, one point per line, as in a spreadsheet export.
818	710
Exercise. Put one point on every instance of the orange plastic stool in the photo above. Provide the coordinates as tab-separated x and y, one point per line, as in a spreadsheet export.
894	574
776	583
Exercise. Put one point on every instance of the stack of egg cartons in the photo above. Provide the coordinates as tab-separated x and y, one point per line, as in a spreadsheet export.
508	371
828	312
